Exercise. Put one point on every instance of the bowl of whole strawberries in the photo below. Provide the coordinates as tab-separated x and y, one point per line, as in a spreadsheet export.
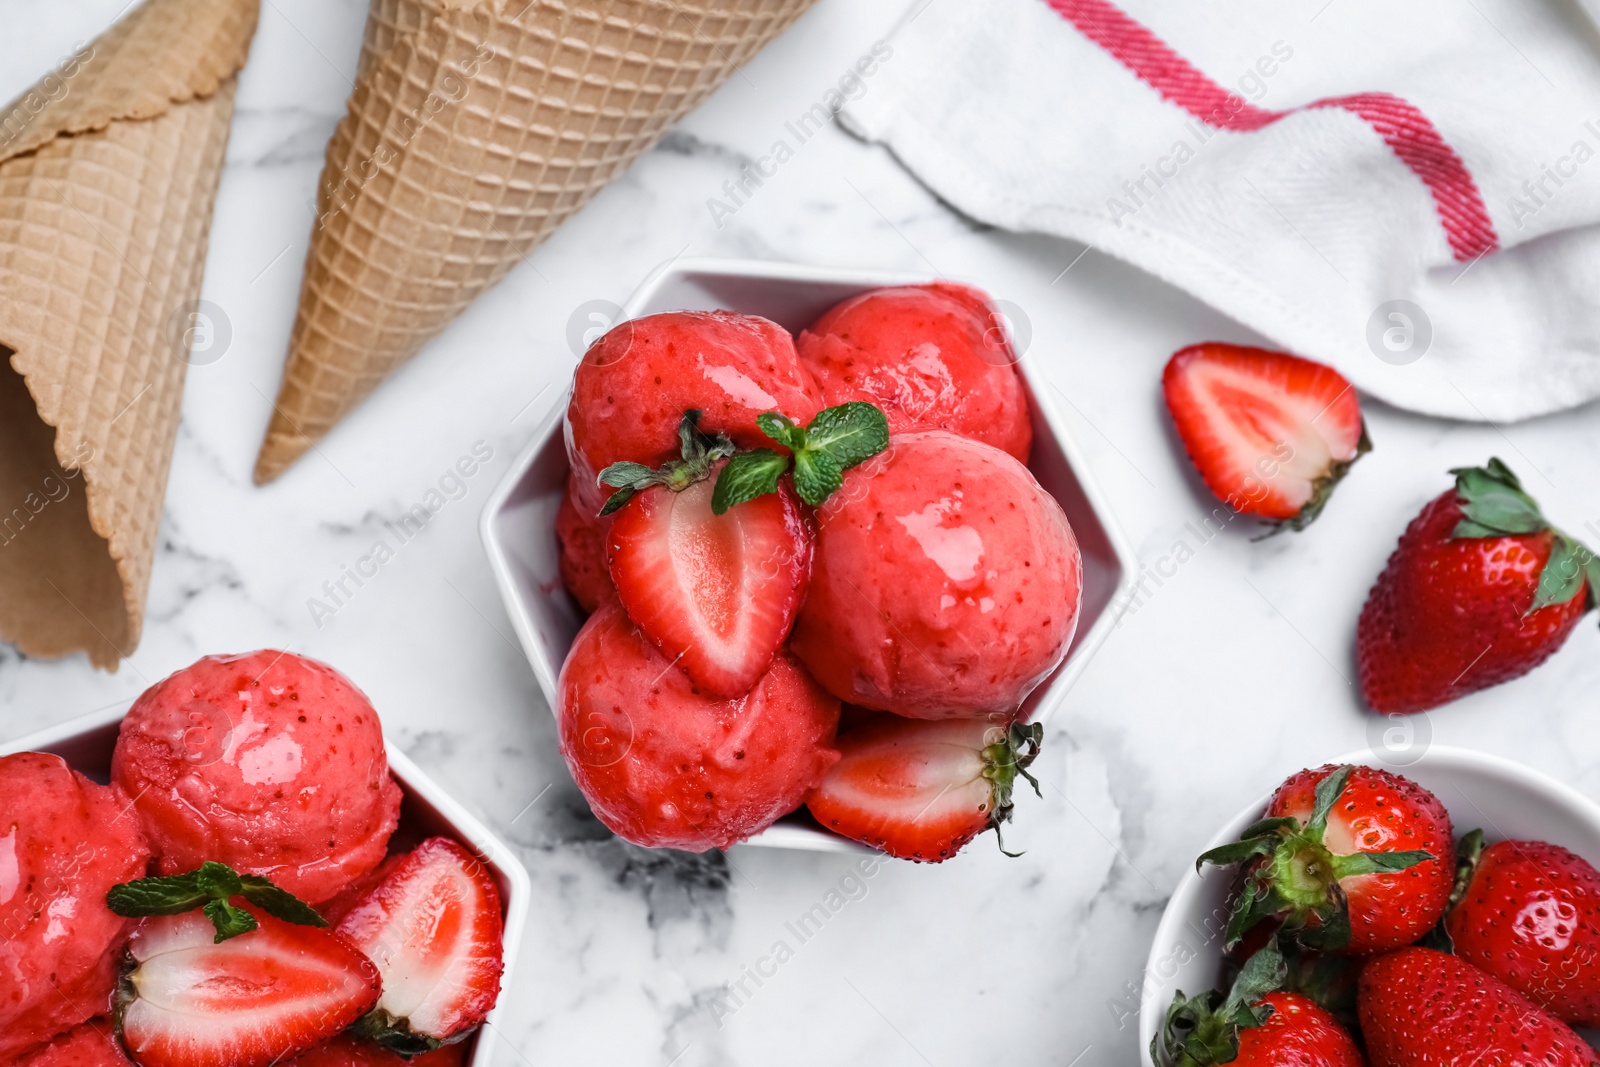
803	558
1449	914
239	871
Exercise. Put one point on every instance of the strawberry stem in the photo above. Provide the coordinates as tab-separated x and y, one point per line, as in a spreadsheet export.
700	453
1469	851
1003	761
393	1033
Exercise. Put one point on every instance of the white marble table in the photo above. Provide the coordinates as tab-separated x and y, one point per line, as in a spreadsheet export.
1234	672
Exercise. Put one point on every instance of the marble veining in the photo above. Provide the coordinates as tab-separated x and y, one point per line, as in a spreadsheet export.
1231	671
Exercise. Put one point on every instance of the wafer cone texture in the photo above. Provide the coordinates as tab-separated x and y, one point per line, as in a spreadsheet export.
475	128
108	175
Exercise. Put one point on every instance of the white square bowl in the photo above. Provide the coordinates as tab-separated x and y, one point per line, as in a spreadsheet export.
1507	800
518	524
425	811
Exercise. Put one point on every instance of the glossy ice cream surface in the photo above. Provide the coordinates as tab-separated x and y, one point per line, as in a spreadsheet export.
665	764
269	762
933	357
64	841
634	384
582	544
91	1045
945	582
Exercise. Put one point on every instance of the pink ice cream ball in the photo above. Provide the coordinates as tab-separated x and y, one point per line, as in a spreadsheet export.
932	357
269	762
64	841
945	582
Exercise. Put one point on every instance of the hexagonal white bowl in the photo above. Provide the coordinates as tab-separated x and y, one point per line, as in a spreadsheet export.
518	524
425	811
1507	800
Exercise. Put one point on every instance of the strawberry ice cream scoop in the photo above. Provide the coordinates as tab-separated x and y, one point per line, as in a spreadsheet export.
269	762
89	1045
933	357
581	540
666	764
64	841
634	384
945	582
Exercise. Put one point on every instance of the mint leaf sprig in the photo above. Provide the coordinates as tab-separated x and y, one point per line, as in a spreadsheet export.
210	887
1494	504
699	451
836	440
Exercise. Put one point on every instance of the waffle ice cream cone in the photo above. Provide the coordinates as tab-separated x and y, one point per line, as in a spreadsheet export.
475	128
108	173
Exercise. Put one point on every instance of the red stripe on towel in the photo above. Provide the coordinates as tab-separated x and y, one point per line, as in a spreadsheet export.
1403	127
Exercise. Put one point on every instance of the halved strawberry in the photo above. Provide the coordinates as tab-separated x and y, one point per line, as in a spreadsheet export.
190	1001
433	928
716	594
921	789
1270	433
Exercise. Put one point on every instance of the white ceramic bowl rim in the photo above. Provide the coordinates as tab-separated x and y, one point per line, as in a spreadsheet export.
1178	919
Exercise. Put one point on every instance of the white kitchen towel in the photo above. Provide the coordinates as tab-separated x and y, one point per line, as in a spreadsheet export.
1410	192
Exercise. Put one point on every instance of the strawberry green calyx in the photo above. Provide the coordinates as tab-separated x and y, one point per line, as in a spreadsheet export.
1469	851
1005	759
210	887
394	1034
1293	878
1204	1030
836	440
700	453
1494	504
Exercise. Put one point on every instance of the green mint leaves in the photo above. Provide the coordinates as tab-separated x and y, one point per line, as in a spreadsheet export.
836	440
747	476
210	888
819	454
1494	504
699	452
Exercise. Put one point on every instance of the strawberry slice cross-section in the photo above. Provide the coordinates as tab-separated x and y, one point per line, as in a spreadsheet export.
715	593
433	927
190	1001
921	790
1270	433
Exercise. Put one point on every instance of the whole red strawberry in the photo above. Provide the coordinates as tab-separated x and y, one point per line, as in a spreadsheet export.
1348	859
1529	914
1424	1008
1255	1024
1270	433
1481	590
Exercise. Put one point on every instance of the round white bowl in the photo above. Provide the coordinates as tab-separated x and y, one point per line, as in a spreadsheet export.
1506	799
